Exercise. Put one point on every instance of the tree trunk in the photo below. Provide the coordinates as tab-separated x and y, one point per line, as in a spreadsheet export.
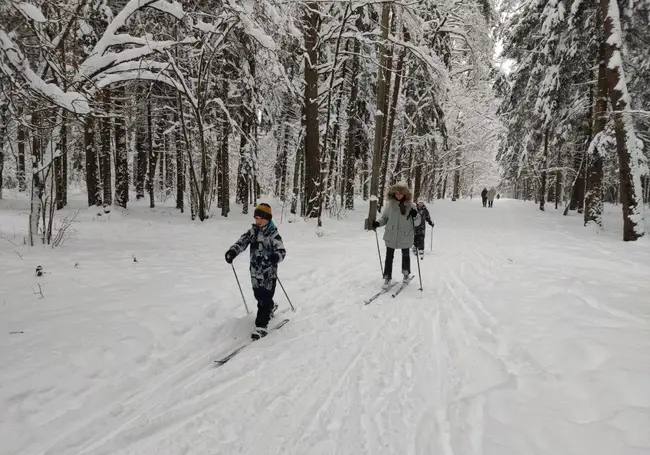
225	167
3	134
542	190
313	178
180	167
379	118
393	107
141	154
61	165
92	169
121	153
38	185
558	179
20	168
105	157
418	181
353	121
152	158
384	124
630	156
444	186
456	192
245	166
284	151
580	164
594	190
296	175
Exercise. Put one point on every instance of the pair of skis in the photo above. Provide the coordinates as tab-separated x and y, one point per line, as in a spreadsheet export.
396	287
243	345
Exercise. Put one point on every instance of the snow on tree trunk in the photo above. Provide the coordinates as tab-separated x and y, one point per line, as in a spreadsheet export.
632	163
379	116
388	66
313	177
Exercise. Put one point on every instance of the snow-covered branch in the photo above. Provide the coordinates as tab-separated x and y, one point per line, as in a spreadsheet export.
17	69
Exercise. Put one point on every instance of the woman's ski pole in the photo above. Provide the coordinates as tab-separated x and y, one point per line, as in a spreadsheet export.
381	266
241	292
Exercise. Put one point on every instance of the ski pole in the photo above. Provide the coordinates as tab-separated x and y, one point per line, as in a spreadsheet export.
381	266
417	256
286	295
241	292
431	238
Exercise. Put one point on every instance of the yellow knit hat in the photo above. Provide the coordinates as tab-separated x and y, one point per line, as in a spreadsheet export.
263	211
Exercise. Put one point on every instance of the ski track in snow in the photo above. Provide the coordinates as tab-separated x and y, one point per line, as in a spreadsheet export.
528	338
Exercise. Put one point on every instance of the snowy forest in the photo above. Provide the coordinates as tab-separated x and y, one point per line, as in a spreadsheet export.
164	164
317	103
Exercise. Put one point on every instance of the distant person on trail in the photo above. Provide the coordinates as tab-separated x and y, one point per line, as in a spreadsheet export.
399	217
490	196
267	250
421	227
484	194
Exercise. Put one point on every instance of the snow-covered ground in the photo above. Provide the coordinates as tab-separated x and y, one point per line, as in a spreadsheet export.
532	336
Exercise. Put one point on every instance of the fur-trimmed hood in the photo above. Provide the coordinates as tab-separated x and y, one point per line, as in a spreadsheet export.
399	188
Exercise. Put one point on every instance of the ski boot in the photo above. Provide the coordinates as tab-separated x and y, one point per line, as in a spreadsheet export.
386	284
259	332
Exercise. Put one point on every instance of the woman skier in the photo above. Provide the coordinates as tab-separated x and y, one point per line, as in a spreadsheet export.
399	217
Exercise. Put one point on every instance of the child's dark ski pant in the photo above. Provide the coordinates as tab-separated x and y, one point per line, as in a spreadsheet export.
265	304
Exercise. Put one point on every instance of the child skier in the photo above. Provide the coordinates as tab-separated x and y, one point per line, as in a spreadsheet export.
421	228
267	250
398	218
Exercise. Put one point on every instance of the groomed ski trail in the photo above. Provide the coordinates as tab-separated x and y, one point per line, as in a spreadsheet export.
500	354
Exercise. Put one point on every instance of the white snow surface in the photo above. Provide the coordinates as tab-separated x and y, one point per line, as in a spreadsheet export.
531	336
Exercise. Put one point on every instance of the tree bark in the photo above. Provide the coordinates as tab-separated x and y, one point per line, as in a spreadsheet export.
3	134
594	190
379	118
393	107
354	120
313	178
225	181
630	156
105	158
92	169
542	190
180	167
20	168
152	158
121	153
